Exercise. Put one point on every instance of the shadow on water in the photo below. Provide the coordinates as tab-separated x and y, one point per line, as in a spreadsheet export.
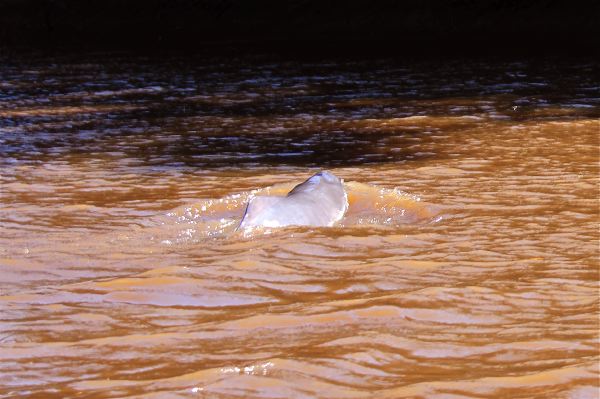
297	148
321	148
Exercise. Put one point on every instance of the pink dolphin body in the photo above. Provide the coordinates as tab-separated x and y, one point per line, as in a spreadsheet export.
319	201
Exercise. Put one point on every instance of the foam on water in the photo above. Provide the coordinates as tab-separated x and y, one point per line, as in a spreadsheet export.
368	205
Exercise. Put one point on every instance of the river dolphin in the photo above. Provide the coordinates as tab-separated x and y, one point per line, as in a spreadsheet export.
319	201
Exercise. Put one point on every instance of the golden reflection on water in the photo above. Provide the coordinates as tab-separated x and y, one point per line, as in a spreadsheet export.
466	265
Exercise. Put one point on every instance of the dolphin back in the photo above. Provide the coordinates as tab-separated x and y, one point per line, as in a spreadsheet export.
321	200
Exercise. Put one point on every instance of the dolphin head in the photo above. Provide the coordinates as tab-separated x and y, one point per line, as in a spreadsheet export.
329	177
318	181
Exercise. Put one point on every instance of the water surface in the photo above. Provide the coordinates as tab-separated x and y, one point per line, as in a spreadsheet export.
467	265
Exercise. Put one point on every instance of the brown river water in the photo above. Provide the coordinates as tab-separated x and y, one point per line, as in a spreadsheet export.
466	266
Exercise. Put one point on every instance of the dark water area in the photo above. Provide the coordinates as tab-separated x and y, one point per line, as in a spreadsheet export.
466	265
388	28
204	113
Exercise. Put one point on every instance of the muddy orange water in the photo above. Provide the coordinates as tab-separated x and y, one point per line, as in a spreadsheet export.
466	266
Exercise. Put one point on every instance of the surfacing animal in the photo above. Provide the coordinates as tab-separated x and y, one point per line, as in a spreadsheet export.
321	200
